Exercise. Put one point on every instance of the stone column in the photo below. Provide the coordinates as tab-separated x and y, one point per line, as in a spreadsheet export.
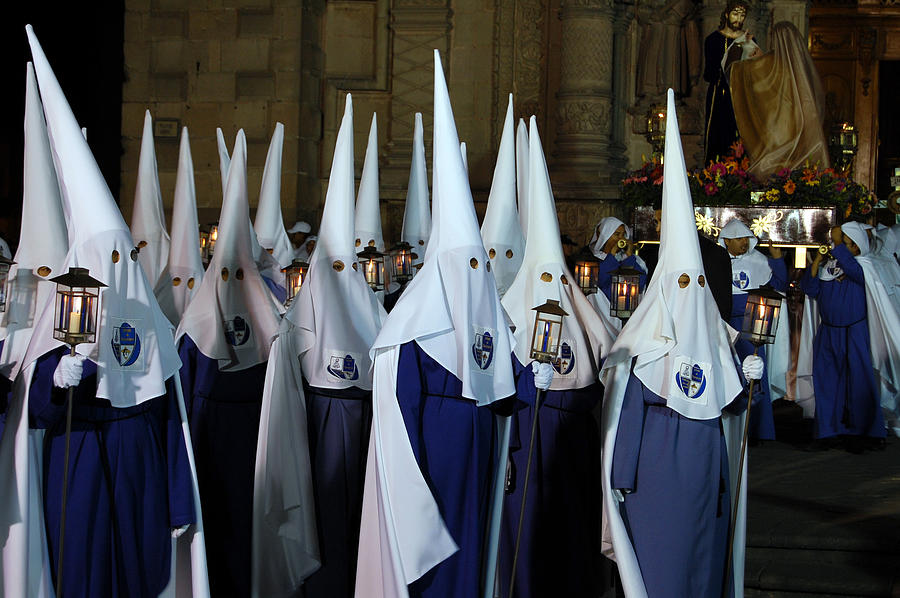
584	166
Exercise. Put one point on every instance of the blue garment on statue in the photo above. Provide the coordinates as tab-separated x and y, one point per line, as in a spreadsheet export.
339	422
608	267
453	440
674	472
223	410
847	395
129	484
559	552
762	420
279	291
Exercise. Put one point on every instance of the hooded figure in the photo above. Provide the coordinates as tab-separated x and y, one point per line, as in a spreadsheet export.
564	499
328	331
668	378
417	214
131	478
224	337
148	222
853	347
604	246
183	273
501	230
24	562
750	269
269	223
439	374
368	209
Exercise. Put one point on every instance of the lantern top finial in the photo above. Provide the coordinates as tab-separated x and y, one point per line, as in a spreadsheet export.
551	306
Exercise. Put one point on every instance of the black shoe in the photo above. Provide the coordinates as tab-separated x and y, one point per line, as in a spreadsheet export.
855	445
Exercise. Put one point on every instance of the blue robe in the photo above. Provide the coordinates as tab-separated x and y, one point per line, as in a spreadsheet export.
453	440
847	395
608	267
339	422
674	473
279	291
762	421
129	485
559	553
223	410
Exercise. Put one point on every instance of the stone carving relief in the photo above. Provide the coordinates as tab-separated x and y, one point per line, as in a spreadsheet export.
586	116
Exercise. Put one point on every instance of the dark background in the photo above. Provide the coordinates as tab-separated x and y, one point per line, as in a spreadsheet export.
84	43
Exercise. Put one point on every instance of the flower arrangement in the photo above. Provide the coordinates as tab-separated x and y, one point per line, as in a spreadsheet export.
643	186
809	186
725	182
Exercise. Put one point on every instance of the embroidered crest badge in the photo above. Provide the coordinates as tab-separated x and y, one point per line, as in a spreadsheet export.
343	367
126	344
691	380
483	349
741	280
565	363
237	331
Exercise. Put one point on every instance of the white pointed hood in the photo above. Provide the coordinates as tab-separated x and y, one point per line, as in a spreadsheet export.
368	209
337	314
501	230
127	373
148	222
464	307
682	347
269	223
417	213
522	175
233	317
585	340
464	154
43	237
224	158
183	273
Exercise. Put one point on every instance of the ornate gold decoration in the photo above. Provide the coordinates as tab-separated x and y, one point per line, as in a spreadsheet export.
763	223
706	225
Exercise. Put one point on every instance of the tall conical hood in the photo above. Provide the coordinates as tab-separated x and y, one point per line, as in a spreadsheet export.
183	274
148	222
224	158
465	328
522	174
464	155
501	230
128	372
269	223
585	339
417	213
682	347
336	313
233	317
43	238
368	209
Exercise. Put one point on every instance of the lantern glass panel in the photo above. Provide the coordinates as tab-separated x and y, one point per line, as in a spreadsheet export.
76	314
401	270
294	277
372	263
547	329
761	317
213	237
587	273
625	293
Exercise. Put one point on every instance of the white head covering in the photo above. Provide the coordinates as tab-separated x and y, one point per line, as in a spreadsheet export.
603	231
299	227
465	158
750	270
501	230
336	312
465	328
127	373
368	209
148	222
417	214
43	238
233	320
181	278
269	223
682	347
522	175
584	338
224	158
857	232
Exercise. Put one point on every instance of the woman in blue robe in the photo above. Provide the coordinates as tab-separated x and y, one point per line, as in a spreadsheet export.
605	247
129	485
223	409
847	396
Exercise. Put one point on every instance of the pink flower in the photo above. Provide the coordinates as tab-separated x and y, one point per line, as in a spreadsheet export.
839	186
710	189
784	172
717	169
658	181
642	179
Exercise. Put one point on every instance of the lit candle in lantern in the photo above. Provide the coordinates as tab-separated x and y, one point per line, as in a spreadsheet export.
75	316
760	320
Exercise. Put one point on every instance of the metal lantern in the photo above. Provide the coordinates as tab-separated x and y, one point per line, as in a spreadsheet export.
587	271
213	237
4	279
294	277
625	293
372	262
656	129
547	330
77	301
761	316
204	243
402	257
843	143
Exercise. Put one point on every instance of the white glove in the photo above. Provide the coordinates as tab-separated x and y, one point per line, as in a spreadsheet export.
68	372
753	367
177	531
543	374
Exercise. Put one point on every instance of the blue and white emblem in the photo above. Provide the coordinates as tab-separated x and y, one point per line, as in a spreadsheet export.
126	344
483	348
343	367
691	380
740	279
565	363
237	331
